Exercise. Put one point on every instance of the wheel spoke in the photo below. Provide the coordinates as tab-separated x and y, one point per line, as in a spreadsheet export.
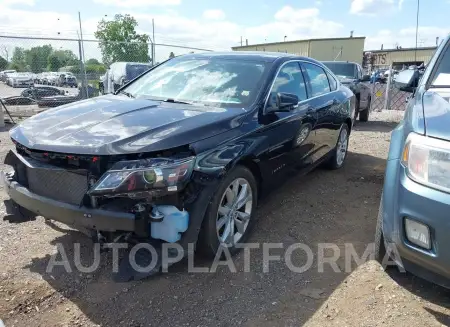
242	197
235	189
230	196
240	225
224	210
221	222
227	232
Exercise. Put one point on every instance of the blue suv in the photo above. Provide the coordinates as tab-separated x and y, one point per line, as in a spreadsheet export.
414	215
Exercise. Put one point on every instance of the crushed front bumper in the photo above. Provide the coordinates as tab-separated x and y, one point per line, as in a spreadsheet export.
72	215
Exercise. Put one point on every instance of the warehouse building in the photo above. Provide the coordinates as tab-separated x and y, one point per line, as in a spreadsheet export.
399	58
340	49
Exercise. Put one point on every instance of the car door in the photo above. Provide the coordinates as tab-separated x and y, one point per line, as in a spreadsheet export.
287	133
324	102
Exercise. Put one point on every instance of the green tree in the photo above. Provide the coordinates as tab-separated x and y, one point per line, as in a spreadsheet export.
37	58
171	55
61	58
3	63
92	61
119	40
18	60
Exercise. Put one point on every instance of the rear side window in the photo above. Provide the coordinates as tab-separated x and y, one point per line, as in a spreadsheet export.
332	81
318	79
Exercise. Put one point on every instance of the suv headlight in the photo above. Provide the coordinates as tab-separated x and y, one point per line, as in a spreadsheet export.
166	175
427	161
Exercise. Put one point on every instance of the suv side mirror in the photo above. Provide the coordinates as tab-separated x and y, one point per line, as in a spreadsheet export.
407	80
365	78
285	102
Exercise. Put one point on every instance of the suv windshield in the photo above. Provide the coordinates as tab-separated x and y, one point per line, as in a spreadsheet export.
209	80
343	70
441	76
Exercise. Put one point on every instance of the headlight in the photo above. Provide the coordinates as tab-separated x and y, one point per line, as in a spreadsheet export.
427	161
166	175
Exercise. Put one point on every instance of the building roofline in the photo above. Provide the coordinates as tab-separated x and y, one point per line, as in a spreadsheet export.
296	41
402	49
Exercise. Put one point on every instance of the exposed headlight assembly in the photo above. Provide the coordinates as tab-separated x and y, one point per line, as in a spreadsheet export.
165	175
427	161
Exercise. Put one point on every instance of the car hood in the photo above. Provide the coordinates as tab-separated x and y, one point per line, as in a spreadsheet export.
115	124
436	109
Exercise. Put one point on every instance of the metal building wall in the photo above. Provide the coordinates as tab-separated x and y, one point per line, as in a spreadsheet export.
300	48
349	49
388	57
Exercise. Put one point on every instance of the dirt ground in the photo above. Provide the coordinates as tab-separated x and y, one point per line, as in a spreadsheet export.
325	206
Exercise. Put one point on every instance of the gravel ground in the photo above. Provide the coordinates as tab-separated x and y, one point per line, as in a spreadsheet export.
337	207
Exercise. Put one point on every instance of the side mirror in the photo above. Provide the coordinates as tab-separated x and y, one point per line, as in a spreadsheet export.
286	101
407	80
365	78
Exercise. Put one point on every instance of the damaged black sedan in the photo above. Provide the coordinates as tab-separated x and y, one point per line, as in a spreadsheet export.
184	152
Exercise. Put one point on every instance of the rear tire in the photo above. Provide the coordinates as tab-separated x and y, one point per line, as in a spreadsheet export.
364	115
238	221
339	153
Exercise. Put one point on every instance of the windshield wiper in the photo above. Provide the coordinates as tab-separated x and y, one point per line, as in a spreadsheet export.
128	94
175	101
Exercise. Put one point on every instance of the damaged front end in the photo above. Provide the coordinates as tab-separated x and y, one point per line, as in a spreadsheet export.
152	197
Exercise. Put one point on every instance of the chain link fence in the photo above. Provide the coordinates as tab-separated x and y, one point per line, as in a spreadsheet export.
40	73
386	97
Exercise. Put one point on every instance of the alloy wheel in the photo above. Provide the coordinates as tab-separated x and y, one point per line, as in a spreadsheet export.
341	149
234	213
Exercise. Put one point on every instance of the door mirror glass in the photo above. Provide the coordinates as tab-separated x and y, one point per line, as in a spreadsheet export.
407	80
365	78
286	101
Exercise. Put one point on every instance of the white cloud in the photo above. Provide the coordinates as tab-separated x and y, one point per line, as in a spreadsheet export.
17	2
138	3
406	37
374	7
214	14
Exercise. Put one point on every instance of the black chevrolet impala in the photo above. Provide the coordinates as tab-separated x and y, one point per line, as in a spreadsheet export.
184	152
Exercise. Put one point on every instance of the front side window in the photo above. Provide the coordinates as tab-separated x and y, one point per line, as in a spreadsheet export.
289	80
222	82
318	79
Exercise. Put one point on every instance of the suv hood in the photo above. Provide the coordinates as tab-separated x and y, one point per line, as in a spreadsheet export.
436	109
115	124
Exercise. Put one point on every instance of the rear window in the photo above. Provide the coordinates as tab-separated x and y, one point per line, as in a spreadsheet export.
134	71
343	70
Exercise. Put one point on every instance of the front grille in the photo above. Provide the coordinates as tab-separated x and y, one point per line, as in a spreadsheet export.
58	184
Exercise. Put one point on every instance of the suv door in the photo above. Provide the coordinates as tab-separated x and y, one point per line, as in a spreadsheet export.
288	133
325	104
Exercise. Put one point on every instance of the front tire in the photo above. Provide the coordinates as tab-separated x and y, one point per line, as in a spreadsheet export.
339	153
230	214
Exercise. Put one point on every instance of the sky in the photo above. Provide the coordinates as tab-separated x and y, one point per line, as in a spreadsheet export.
219	25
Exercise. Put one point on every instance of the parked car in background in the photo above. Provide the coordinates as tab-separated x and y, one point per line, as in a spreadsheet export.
351	75
188	147
415	203
123	72
50	78
67	79
39	92
4	74
20	80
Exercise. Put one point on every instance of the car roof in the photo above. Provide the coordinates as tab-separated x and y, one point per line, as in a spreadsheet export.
250	55
339	62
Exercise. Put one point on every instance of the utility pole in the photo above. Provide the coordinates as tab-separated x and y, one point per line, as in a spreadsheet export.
417	30
154	45
241	40
84	80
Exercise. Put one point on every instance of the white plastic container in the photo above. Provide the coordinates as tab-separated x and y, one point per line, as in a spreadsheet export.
174	223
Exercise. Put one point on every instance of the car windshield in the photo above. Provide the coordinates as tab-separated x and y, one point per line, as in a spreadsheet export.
222	82
343	70
441	76
134	71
